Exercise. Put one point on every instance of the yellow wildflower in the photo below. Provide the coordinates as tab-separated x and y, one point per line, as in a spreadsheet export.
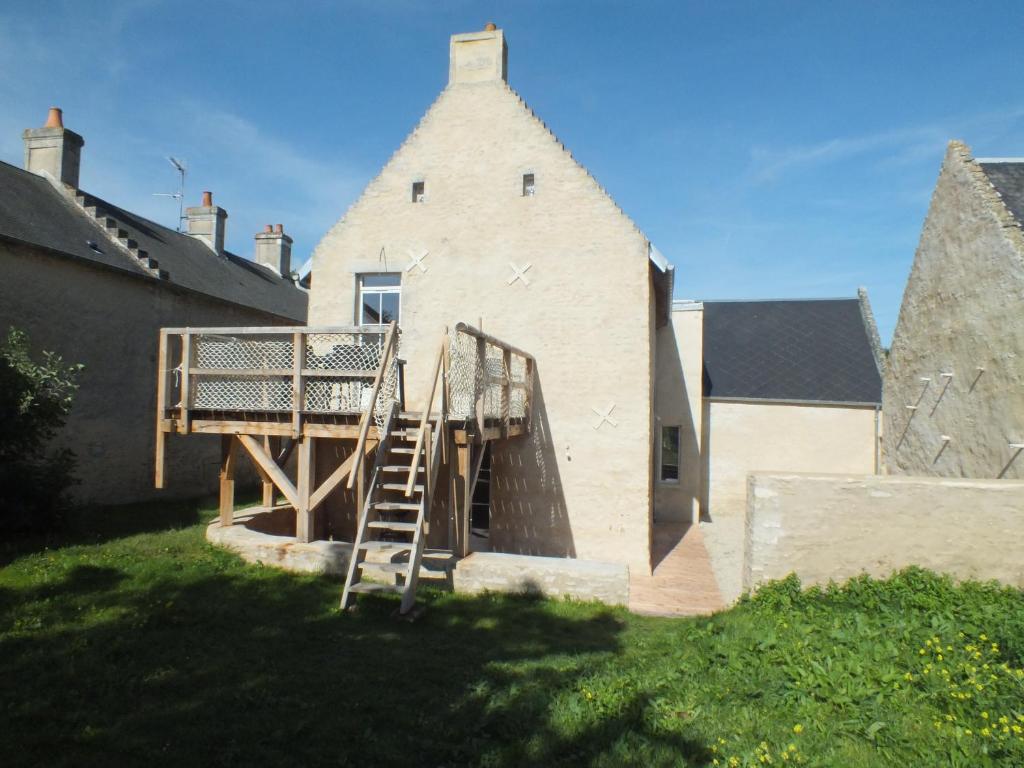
797	728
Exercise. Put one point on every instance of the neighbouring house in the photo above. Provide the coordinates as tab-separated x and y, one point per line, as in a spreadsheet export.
954	395
94	283
494	368
744	386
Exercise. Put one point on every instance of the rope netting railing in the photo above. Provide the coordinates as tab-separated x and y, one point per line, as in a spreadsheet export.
481	371
252	372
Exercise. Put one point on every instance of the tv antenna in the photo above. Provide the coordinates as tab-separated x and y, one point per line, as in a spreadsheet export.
179	166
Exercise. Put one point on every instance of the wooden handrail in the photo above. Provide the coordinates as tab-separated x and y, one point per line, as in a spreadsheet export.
364	422
471	331
426	415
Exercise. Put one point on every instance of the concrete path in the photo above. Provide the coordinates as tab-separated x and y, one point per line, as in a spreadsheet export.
683	583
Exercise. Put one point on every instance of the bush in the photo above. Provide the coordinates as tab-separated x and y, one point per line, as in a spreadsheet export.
35	398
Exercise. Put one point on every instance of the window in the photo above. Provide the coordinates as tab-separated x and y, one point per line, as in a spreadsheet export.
528	186
418	191
670	454
380	298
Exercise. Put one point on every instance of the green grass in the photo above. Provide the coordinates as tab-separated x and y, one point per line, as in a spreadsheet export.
133	642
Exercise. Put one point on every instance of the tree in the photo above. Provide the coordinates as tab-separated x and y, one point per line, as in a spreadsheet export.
35	399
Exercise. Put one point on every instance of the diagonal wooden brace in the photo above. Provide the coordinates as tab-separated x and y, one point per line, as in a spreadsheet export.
270	468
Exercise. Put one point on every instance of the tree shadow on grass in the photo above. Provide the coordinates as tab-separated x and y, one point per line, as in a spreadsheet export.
255	667
97	524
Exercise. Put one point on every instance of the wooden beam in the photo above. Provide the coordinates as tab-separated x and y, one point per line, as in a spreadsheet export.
305	526
255	450
161	409
229	458
284	429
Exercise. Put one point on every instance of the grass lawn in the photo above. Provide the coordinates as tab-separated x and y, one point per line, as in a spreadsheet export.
133	642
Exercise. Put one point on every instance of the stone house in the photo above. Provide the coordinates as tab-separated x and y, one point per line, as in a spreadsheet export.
94	283
954	394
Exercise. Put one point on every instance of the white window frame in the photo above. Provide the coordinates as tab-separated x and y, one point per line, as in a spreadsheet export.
361	290
661	455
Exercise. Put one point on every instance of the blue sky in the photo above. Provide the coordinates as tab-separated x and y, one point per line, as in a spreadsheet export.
769	149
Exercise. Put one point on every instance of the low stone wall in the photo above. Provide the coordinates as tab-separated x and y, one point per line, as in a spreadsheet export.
831	527
266	536
549	576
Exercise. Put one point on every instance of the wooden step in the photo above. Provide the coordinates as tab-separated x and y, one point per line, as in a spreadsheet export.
392	526
369	587
399	468
384	567
386	546
399	486
396	506
403	450
406	434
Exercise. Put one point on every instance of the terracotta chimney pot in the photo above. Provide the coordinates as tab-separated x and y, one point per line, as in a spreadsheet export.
207	199
268	229
489	26
55	118
279	228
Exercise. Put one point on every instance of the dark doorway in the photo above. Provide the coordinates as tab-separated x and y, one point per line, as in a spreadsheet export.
480	511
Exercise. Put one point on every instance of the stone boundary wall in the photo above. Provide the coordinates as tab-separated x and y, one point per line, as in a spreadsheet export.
832	527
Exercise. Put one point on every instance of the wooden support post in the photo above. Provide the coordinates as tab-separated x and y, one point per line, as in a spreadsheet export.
506	391
186	388
161	408
272	445
463	500
305	529
228	460
298	388
481	360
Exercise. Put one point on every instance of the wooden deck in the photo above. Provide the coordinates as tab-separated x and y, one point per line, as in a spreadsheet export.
683	583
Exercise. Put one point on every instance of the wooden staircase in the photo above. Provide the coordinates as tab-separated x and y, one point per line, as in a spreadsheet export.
396	510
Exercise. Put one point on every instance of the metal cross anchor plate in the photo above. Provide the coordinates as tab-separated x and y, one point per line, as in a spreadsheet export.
605	417
416	261
520	273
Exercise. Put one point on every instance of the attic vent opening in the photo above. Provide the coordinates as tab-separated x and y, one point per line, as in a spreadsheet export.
418	191
528	185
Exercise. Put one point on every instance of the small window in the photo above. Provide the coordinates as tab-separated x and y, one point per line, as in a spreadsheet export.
380	299
670	454
418	191
528	186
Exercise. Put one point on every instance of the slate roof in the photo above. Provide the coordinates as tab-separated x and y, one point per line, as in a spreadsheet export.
809	350
33	211
1007	176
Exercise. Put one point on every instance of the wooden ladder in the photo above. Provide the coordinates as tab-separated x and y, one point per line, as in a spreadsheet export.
395	511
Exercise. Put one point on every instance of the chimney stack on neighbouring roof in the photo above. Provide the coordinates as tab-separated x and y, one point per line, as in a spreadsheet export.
478	56
54	150
274	250
207	222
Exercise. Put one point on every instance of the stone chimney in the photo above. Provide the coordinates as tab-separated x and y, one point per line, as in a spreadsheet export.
478	57
274	250
207	222
54	150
